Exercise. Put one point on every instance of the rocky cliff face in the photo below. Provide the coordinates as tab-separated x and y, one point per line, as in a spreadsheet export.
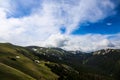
103	51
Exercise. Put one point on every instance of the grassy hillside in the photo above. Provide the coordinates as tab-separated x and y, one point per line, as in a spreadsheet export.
19	58
9	73
38	63
78	61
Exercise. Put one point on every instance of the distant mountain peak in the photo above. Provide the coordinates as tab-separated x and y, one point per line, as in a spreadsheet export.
103	51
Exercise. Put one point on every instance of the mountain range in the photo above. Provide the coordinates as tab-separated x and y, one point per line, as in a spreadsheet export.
40	63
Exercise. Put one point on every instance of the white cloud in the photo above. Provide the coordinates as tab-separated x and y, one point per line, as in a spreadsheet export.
86	43
82	11
42	25
109	24
56	40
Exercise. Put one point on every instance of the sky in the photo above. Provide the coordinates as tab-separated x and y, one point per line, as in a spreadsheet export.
85	25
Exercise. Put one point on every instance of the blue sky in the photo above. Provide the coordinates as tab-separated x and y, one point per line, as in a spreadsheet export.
23	8
109	25
85	25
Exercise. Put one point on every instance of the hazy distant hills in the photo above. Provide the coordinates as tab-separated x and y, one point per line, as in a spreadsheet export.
39	63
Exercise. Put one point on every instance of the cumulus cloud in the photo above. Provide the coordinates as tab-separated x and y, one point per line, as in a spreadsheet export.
85	43
56	40
39	22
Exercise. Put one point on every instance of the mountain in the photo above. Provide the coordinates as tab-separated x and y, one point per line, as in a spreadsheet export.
104	51
59	55
107	60
40	63
18	63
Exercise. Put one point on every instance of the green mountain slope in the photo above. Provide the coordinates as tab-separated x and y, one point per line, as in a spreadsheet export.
107	60
77	60
9	73
21	59
38	63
